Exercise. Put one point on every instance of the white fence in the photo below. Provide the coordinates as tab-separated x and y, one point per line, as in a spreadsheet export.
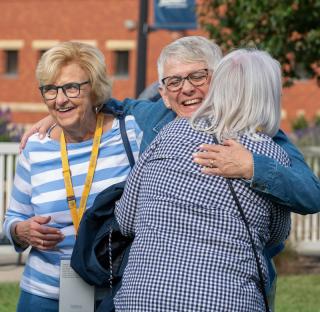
8	155
305	233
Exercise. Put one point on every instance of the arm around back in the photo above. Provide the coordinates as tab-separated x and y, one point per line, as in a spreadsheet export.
150	116
295	187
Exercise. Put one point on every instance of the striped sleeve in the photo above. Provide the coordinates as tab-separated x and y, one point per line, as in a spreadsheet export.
20	208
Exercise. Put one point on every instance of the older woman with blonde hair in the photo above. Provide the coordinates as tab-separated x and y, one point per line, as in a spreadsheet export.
59	176
199	239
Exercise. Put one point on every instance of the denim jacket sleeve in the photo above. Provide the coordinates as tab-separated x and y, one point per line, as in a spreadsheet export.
151	116
295	187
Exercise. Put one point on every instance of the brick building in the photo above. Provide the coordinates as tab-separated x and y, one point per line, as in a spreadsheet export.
27	28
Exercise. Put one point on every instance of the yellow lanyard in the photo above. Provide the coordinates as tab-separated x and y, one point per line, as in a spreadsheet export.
75	214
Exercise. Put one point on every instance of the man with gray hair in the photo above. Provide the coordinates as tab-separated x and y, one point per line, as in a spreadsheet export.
185	68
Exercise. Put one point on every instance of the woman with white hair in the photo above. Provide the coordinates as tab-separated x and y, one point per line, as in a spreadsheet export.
199	239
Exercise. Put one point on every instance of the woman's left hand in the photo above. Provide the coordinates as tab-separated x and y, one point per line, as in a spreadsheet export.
36	233
230	160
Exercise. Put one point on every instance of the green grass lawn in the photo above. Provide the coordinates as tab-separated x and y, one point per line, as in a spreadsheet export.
298	293
295	293
8	296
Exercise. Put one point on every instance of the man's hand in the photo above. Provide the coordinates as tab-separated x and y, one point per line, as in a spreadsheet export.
35	233
42	126
230	160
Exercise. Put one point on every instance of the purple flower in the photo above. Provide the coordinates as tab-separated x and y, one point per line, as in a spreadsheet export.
9	131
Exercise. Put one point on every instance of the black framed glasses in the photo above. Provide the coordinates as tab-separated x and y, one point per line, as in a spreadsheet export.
71	90
196	78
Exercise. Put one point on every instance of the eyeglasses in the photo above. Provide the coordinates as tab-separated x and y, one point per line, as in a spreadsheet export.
196	78
71	90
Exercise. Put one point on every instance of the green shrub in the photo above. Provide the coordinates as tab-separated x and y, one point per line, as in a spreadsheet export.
300	123
305	134
317	120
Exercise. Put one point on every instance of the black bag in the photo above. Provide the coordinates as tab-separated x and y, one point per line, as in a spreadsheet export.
101	252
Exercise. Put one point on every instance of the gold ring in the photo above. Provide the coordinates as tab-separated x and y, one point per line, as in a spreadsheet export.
211	163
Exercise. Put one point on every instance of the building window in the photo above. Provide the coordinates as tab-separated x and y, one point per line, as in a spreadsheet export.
11	62
11	65
41	52
122	64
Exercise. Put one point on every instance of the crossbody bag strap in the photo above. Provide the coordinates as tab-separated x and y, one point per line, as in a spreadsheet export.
125	139
235	197
127	147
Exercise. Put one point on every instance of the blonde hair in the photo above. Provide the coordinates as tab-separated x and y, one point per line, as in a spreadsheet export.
244	96
88	57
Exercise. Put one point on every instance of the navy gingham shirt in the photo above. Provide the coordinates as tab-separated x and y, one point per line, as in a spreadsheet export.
191	250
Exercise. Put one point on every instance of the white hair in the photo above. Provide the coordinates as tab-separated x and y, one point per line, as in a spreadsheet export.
244	96
190	49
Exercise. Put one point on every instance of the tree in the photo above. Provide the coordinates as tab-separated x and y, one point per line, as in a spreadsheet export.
288	29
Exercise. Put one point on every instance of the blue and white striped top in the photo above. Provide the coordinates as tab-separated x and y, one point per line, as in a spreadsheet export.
39	190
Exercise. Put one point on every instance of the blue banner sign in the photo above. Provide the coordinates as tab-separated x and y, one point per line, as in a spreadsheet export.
175	14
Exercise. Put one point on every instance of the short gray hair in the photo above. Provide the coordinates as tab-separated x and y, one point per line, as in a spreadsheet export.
190	49
88	57
244	96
